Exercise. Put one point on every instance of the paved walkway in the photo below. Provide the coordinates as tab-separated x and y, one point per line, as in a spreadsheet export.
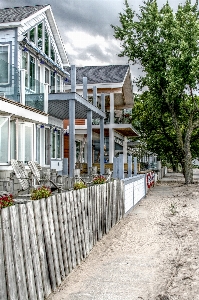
145	255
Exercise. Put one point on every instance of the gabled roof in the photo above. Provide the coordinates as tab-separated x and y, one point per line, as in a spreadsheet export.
17	14
101	74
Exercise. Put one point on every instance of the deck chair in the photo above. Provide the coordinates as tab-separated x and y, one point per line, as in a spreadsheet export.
22	175
35	169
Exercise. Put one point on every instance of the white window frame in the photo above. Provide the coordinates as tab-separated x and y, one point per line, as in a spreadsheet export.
53	132
7	45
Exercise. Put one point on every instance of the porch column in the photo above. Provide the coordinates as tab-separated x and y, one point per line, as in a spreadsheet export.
125	149
102	136
111	145
73	79
89	139
71	137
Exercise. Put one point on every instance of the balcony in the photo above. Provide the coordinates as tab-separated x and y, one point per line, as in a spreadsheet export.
16	86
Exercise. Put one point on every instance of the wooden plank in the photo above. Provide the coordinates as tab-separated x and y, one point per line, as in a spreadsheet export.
18	254
48	245
65	238
74	229
97	196
77	211
90	217
94	206
8	254
53	239
56	215
84	231
114	206
28	265
100	210
70	230
103	205
45	280
3	289
35	248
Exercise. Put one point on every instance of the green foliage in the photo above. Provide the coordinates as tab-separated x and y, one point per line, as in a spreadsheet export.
41	192
6	200
79	185
165	44
99	179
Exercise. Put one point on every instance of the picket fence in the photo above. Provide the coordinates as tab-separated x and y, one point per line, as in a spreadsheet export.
42	241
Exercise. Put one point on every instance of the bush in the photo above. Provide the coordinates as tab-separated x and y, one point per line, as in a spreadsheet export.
6	200
41	192
99	179
79	185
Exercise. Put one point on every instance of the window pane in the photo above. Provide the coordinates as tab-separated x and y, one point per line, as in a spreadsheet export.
32	35
58	144
46	42
40	39
53	150
13	140
52	83
4	66
25	65
32	73
47	76
4	131
28	143
25	141
52	54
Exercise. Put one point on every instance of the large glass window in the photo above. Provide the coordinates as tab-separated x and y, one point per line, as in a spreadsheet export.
32	35
32	73
40	36
4	64
4	134
52	81
25	141
56	143
46	42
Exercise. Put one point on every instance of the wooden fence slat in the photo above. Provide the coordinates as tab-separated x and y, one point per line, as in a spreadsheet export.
90	217
77	211
34	249
74	229
53	240
114	206
3	289
48	244
97	210
100	211
70	230
103	207
29	270
54	202
83	224
44	276
65	234
9	259
18	253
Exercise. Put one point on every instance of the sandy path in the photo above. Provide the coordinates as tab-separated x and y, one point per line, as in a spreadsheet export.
151	254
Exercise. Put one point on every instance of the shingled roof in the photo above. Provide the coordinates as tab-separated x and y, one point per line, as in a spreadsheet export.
17	14
101	74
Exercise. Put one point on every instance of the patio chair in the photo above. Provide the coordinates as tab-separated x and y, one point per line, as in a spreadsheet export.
35	169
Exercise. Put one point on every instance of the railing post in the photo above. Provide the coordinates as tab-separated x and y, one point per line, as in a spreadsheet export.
73	79
95	96
22	86
85	92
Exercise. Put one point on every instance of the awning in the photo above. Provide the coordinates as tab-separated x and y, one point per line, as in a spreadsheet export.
58	106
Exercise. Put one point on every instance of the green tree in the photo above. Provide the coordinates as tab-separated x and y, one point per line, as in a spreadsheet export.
165	44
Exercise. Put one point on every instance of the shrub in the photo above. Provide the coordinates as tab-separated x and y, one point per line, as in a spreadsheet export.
6	200
79	185
99	179
41	192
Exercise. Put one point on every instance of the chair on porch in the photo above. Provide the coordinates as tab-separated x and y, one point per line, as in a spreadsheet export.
36	169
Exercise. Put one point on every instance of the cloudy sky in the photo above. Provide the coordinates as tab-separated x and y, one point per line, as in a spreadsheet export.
85	28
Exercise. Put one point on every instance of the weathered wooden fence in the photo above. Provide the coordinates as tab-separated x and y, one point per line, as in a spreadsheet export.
42	241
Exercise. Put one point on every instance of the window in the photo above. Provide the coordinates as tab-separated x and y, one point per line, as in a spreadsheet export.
13	139
58	83
4	140
55	143
52	81
32	35
46	42
52	53
4	64
32	73
25	66
25	141
40	35
47	80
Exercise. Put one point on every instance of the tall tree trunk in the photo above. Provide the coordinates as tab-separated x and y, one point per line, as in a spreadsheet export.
188	168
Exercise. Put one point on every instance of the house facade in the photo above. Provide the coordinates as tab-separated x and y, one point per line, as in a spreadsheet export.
32	61
114	82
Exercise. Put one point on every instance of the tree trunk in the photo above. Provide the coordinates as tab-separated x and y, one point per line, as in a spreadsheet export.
188	168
